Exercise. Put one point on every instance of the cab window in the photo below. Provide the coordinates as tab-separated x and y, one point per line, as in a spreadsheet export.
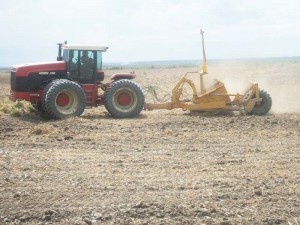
99	60
87	65
66	55
73	63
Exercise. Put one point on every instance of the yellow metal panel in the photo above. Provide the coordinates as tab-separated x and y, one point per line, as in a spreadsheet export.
210	105
169	106
249	105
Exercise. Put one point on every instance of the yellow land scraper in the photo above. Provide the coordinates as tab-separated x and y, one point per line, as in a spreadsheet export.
215	98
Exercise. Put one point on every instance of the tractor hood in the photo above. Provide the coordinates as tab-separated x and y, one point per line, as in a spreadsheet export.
25	69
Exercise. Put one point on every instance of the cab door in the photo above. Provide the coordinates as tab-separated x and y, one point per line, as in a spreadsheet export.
82	66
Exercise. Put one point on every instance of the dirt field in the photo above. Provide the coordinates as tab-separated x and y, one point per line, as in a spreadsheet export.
163	167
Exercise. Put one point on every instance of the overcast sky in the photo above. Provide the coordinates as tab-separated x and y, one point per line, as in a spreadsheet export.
142	30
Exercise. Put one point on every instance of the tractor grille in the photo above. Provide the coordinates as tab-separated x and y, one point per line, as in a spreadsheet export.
19	83
13	80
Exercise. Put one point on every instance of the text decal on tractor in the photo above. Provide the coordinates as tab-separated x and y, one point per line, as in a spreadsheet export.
66	87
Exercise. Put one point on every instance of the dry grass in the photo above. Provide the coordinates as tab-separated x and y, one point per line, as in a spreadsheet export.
15	109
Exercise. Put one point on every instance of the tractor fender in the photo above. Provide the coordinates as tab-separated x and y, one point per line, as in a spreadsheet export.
119	76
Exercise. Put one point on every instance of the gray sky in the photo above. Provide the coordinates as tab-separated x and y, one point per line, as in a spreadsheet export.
141	30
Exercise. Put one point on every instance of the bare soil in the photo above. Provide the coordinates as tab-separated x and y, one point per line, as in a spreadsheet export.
163	167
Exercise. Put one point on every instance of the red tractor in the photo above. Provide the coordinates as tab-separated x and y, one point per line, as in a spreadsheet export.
74	82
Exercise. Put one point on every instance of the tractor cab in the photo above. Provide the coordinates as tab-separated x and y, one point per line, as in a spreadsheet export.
84	63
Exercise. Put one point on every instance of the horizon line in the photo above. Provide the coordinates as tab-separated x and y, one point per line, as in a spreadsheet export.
174	60
186	60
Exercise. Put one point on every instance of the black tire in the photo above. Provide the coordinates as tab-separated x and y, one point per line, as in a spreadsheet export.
263	107
124	99
39	107
63	98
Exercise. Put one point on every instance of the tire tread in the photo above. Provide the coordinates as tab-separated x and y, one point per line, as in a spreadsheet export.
266	107
50	91
108	95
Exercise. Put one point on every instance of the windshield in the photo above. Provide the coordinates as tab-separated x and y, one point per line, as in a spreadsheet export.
65	55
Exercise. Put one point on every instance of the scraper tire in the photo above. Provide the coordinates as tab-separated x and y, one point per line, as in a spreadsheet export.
263	107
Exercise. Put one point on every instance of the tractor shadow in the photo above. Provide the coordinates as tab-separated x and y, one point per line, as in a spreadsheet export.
32	117
35	118
107	116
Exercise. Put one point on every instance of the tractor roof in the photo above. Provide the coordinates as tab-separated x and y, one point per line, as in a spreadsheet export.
85	47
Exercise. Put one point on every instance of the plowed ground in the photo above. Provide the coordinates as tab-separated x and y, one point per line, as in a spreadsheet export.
163	167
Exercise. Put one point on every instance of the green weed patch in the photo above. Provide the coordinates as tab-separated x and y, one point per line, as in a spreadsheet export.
16	109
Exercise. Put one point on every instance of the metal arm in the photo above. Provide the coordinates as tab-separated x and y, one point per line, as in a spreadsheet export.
204	56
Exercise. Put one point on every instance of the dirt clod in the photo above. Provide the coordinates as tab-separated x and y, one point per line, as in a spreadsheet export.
87	221
17	195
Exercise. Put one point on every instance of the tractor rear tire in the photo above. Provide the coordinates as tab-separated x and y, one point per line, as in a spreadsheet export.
263	107
124	99
63	98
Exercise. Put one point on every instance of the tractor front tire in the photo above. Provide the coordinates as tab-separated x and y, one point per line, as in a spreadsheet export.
263	107
63	98
124	99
